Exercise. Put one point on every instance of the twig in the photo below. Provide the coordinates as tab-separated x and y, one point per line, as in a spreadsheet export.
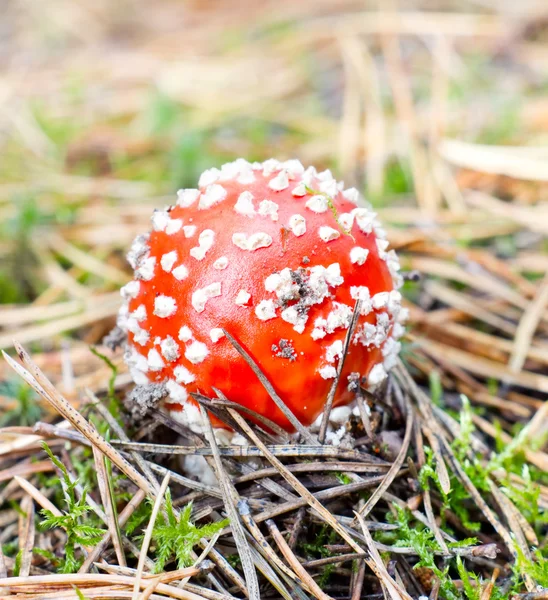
123	517
229	496
108	504
305	433
38	381
148	536
295	483
340	366
396	465
295	564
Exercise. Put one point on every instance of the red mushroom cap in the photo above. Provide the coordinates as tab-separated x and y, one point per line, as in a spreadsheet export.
276	255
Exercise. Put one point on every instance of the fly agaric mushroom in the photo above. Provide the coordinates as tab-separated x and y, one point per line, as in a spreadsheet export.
277	255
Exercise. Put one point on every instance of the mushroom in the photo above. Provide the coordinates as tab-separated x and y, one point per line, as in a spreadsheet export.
277	255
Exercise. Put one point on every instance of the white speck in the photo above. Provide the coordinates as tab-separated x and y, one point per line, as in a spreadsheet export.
280	182
340	316
221	263
157	340
317	284
185	334
329	187
283	285
230	170
177	393
390	352
208	177
380	300
196	352
242	298
380	232
130	290
135	360
364	219
183	375
270	166
362	293
334	351
319	325
291	315
259	240
139	248
216	334
133	325
180	272
122	317
244	205
325	175
267	208
382	246
318	333
168	260
398	331
240	240
186	198
138	376
155	362
327	234
146	268
265	310
205	242
376	375
140	313
189	230
358	255
333	275
334	438
160	218
340	415
352	195
164	306
297	224
191	417
299	190
394	302
328	372
293	167
318	204
253	242
173	226
141	337
201	296
394	267
346	220
213	194
246	175
170	349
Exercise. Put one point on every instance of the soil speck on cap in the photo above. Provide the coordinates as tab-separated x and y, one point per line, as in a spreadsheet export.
284	349
114	339
144	398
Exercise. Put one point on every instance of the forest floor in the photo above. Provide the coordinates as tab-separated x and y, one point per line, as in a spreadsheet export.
441	118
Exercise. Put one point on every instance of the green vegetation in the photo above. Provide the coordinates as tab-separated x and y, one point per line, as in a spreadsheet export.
175	536
27	409
78	532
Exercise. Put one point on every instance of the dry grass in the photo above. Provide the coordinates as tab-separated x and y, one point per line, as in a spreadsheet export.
105	109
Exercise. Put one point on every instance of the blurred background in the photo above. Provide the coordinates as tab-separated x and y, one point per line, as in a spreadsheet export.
437	110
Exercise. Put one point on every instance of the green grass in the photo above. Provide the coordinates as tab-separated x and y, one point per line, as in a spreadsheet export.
73	519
